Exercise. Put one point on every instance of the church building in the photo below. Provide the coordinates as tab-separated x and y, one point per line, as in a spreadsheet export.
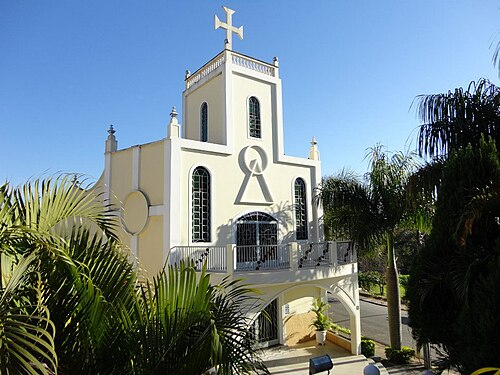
220	190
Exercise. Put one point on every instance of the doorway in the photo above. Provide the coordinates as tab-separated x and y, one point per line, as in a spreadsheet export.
256	240
265	326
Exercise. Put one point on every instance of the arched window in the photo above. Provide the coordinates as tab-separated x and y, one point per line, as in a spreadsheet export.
254	117
204	122
300	209
200	221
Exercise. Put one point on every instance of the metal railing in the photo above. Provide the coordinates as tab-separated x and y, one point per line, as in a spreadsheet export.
214	256
266	257
345	252
315	255
262	257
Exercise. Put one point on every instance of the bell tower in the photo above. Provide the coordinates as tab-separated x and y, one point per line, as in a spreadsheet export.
234	100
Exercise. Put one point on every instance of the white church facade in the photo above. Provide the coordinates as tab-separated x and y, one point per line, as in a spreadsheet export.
219	189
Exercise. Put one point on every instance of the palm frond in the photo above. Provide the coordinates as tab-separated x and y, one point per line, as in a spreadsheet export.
351	210
56	204
496	57
26	331
457	118
90	282
184	311
480	215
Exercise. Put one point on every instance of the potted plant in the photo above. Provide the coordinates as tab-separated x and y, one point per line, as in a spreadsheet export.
321	322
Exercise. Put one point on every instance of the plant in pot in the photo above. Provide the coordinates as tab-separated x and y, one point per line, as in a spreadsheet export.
321	322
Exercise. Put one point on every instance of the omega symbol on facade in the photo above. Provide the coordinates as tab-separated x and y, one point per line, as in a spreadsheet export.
253	162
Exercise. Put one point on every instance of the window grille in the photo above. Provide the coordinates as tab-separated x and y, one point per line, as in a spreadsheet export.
204	122
254	117
201	205
300	209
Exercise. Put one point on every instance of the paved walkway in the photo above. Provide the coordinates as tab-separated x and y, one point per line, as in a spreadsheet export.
294	360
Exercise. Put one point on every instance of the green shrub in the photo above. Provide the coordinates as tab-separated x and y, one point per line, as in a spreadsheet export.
367	347
368	278
403	281
399	356
338	328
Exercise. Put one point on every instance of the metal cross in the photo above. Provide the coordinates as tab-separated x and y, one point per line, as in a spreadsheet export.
228	25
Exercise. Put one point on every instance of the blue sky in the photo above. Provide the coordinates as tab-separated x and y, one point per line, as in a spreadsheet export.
350	71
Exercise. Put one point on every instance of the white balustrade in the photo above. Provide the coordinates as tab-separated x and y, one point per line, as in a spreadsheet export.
204	71
252	64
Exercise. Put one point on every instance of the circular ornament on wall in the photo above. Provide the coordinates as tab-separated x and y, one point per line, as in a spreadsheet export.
254	160
135	212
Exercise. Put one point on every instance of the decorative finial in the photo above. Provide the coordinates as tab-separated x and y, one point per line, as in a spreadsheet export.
313	152
173	130
111	143
174	113
230	29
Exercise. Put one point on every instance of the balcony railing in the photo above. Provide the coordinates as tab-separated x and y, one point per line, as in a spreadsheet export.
315	254
262	257
345	252
214	256
232	258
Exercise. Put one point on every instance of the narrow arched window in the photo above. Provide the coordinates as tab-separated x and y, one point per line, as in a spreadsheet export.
254	117
200	196
204	122
300	209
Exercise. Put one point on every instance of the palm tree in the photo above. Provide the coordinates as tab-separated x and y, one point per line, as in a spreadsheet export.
71	301
26	331
75	272
370	211
452	120
187	326
459	129
453	294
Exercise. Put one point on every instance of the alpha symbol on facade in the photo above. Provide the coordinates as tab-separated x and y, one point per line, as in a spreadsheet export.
253	162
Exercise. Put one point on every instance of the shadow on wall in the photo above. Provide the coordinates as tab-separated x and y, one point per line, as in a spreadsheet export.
298	328
226	233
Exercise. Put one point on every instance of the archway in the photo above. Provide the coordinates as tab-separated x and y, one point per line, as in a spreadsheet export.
266	325
256	240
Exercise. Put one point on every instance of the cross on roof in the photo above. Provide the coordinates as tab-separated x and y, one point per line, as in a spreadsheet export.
228	25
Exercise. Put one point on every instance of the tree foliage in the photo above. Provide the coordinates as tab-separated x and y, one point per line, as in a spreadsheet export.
453	288
370	211
71	301
453	120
